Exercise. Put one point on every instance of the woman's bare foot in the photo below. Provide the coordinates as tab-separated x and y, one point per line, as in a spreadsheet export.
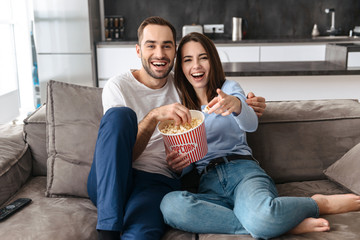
337	203
311	225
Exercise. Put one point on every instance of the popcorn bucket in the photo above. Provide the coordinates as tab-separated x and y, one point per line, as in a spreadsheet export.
193	142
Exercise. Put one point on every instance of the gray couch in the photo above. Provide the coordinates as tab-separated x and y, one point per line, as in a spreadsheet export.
307	147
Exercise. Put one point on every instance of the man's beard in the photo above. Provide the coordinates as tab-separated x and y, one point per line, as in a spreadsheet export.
153	74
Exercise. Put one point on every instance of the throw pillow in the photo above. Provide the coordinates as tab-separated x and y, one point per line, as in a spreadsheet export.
345	171
72	122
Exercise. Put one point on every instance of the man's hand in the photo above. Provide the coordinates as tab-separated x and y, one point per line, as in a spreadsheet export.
177	163
257	103
177	112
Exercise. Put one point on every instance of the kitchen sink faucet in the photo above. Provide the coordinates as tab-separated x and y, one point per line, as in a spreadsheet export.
332	29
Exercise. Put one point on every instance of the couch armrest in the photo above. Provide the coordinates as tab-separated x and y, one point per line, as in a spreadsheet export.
15	160
35	136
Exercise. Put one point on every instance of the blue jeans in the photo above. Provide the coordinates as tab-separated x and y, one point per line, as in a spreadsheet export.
127	200
237	197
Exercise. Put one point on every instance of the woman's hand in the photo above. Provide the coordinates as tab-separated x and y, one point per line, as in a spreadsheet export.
177	162
224	104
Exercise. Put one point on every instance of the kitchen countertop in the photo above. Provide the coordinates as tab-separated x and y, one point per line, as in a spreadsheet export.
320	39
233	69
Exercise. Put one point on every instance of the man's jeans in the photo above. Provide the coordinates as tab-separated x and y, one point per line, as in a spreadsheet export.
237	197
127	200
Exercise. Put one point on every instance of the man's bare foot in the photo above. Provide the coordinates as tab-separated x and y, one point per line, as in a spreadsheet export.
337	203
311	225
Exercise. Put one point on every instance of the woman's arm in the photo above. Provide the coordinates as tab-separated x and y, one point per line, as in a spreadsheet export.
232	100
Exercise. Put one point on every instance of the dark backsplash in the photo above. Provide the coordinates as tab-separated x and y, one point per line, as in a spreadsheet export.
266	19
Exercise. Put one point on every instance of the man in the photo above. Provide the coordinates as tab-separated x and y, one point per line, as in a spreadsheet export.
130	174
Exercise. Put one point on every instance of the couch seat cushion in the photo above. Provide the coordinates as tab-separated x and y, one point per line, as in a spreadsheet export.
15	160
50	218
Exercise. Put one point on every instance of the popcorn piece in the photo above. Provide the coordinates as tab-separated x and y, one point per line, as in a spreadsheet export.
206	109
172	129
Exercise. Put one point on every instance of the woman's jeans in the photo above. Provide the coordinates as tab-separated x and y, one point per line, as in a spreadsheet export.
127	200
236	197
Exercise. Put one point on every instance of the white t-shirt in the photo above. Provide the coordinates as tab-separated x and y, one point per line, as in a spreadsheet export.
125	90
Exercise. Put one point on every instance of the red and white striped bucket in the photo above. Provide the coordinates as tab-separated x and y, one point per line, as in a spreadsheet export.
192	142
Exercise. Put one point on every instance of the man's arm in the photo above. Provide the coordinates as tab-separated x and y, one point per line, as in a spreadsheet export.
146	127
145	130
257	103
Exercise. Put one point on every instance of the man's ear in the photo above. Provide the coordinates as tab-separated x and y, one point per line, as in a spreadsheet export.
138	50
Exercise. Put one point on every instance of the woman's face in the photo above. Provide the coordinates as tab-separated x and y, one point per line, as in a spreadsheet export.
195	64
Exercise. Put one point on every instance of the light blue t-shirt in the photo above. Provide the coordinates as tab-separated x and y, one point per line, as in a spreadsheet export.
227	135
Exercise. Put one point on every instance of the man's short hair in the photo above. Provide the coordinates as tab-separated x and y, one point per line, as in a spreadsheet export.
157	21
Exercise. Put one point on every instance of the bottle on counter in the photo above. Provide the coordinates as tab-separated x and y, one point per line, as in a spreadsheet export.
315	31
116	22
117	34
112	34
106	22
122	28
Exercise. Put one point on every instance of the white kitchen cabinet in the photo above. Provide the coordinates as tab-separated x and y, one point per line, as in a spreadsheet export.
353	60
238	53
114	60
292	53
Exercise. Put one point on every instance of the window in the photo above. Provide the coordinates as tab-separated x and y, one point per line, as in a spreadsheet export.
15	60
8	78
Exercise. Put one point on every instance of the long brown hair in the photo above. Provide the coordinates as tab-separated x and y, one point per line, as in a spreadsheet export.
216	73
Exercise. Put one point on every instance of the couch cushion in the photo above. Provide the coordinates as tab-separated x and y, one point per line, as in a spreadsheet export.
73	118
35	136
346	170
15	160
50	218
297	140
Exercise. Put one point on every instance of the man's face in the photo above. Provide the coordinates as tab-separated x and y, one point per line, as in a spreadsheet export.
157	50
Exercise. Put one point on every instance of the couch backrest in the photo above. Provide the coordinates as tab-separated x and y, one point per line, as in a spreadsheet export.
35	124
297	140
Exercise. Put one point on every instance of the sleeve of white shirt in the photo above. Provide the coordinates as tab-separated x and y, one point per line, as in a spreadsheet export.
112	95
247	119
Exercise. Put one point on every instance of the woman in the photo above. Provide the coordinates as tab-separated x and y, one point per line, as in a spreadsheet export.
235	196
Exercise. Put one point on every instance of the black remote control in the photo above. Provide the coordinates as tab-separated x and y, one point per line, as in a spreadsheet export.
13	207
